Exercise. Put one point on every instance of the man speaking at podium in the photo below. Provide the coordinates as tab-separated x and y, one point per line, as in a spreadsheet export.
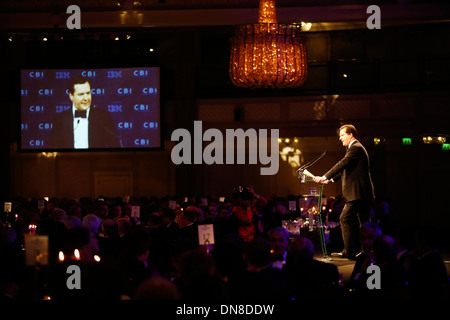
357	189
83	127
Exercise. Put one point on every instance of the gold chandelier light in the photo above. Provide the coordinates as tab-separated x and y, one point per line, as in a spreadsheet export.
268	54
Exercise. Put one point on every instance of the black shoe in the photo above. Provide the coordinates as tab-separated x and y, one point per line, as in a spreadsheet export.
343	255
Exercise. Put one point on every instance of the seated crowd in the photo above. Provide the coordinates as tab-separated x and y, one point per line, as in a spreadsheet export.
155	253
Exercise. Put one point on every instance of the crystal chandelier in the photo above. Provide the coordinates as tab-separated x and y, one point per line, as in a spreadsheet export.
268	54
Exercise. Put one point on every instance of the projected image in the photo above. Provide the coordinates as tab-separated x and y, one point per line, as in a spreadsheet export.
90	109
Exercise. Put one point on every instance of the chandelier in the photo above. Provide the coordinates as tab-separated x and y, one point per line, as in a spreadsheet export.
268	54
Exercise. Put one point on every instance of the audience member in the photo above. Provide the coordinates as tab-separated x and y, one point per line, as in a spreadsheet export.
265	281
245	213
307	277
136	259
368	232
198	280
427	275
188	222
279	242
392	277
110	243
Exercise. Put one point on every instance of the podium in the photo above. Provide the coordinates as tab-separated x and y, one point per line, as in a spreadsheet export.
310	210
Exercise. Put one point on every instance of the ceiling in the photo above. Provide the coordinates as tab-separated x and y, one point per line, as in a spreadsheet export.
324	14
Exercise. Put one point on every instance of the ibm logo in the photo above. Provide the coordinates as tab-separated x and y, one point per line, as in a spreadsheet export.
114	74
114	107
62	75
60	109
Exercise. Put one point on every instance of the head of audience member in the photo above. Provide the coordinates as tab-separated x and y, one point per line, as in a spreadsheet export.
168	216
242	196
102	211
211	213
92	223
385	250
257	254
279	242
72	222
157	288
155	219
116	211
124	225
368	233
300	250
58	214
223	212
188	216
110	228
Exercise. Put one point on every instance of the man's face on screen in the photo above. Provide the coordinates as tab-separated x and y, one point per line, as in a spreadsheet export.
81	96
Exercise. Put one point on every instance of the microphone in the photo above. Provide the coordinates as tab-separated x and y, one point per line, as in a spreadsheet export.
302	172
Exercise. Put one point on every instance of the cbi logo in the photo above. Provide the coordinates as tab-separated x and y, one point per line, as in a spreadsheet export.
98	91
140	73
125	91
140	107
45	92
88	74
36	74
36	143
142	142
149	91
150	125
37	108
45	126
125	125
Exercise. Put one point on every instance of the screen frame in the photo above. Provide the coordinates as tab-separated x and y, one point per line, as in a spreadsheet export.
161	124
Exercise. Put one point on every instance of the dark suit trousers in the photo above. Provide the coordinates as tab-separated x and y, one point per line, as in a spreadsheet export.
353	215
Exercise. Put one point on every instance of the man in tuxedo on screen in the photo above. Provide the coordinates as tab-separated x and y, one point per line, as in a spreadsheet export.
83	127
357	189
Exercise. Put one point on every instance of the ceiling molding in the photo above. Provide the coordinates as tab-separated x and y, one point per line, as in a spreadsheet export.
343	15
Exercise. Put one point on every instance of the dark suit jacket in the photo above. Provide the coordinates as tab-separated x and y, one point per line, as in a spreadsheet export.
102	133
354	170
311	279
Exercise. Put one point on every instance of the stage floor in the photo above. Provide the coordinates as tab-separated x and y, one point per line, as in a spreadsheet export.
346	266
